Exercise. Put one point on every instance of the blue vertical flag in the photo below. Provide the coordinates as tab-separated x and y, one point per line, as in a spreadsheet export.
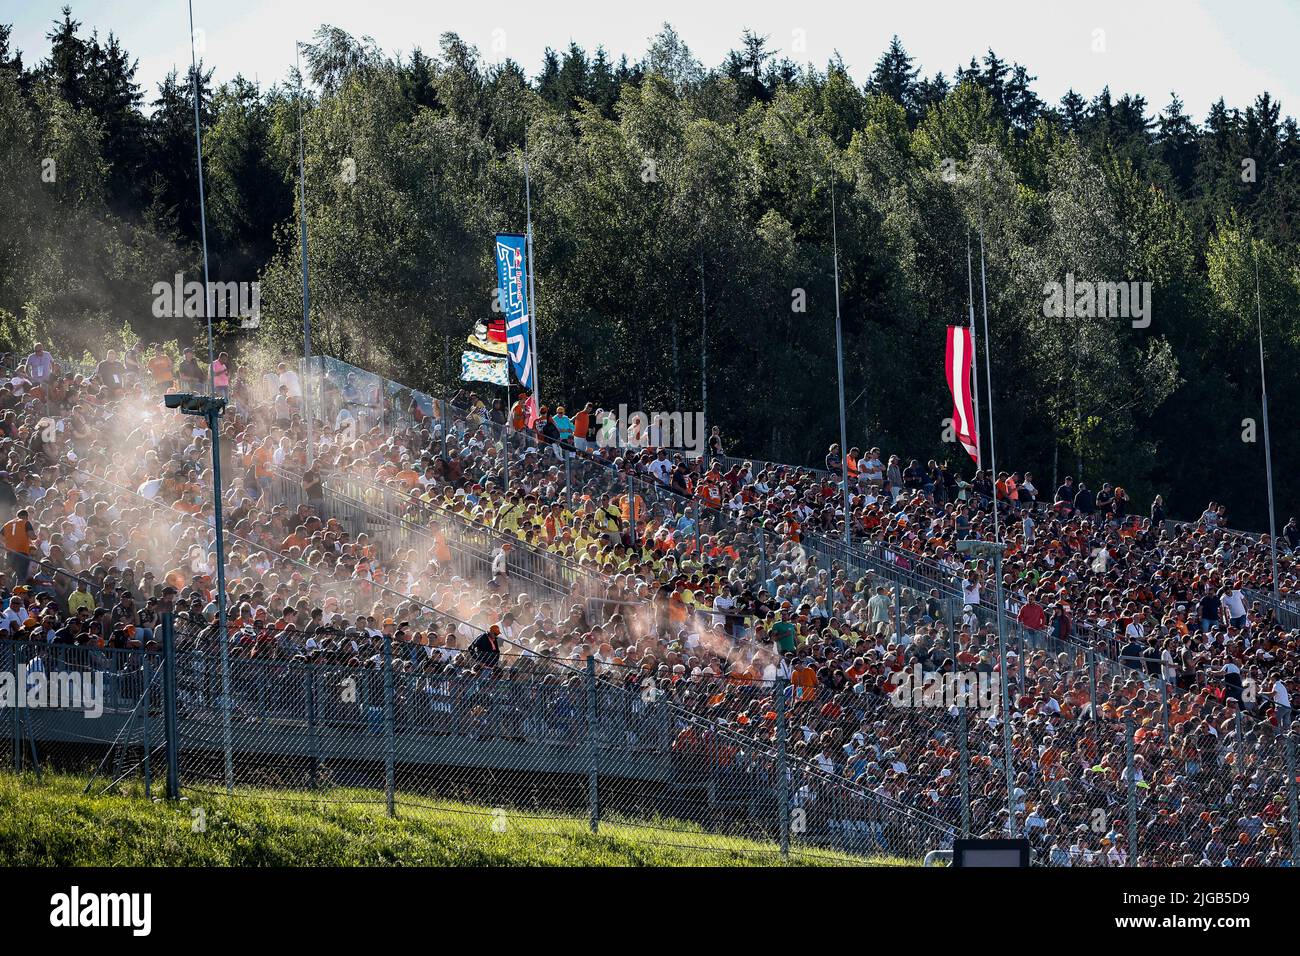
513	301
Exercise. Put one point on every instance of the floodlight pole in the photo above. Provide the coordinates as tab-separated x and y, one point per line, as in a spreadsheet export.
1268	450
839	366
203	213
211	408
214	426
306	293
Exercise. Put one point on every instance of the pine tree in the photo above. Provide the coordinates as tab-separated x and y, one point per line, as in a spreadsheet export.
895	76
1176	145
747	68
65	68
1073	112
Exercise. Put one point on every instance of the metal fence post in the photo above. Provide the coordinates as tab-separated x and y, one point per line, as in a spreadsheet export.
17	718
169	709
1291	799
314	770
390	782
964	771
1092	682
593	752
1239	741
1164	705
1129	730
146	677
898	611
782	775
443	409
830	581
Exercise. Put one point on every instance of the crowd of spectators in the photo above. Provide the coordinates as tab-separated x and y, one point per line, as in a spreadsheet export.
701	583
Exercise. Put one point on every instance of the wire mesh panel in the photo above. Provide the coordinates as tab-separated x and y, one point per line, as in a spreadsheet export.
82	710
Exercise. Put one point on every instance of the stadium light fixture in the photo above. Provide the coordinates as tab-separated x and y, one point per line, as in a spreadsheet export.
212	408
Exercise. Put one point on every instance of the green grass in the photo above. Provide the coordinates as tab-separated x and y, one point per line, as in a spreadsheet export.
51	823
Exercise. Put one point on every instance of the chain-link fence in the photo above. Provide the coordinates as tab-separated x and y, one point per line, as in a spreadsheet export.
82	710
761	769
527	741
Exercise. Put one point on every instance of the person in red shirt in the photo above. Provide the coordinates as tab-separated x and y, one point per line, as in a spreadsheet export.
1032	614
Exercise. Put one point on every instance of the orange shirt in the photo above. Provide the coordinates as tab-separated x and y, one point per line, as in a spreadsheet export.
16	536
804	680
160	367
262	462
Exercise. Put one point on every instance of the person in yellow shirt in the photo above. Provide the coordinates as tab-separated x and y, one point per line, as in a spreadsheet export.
80	598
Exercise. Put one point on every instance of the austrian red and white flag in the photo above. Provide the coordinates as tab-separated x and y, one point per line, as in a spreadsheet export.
957	365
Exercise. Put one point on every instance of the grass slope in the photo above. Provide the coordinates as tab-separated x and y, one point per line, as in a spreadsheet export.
51	823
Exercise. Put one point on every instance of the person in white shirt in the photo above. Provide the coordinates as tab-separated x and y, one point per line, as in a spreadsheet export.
501	559
149	489
661	467
289	379
15	615
722	603
874	469
1235	604
1168	666
1282	701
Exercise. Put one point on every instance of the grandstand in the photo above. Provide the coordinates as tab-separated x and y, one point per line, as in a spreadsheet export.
428	601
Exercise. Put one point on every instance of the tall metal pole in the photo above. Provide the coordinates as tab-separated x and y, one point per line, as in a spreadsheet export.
169	708
988	384
1268	451
306	292
997	557
1005	681
974	357
532	291
214	427
782	773
203	211
839	366
704	350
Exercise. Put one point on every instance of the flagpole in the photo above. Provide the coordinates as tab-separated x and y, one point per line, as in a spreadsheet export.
1268	451
839	364
203	211
988	380
306	292
1003	676
974	358
532	292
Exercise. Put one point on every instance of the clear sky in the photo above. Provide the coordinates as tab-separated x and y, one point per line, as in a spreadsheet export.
1202	50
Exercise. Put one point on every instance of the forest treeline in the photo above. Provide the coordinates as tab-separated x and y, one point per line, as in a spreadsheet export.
682	215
